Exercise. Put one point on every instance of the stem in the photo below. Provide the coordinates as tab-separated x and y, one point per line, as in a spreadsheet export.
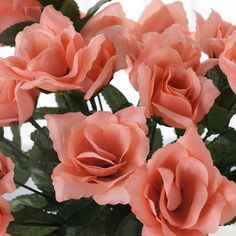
100	102
93	103
31	189
35	124
34	224
152	134
208	134
38	127
15	149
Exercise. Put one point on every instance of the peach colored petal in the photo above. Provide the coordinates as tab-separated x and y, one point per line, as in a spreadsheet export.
55	20
7	184
60	128
115	195
133	114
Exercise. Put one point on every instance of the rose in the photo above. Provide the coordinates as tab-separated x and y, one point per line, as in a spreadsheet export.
167	89
57	58
97	153
6	175
157	16
180	40
211	34
180	192
5	217
15	11
15	104
227	61
108	18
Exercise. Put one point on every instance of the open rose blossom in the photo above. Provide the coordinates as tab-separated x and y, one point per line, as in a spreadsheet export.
97	153
179	191
6	175
5	217
227	61
157	16
57	57
15	11
211	34
167	87
15	104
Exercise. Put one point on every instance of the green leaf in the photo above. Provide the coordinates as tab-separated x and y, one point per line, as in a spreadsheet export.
114	98
33	200
130	226
218	77
114	217
7	37
72	102
217	119
34	216
89	14
43	159
16	134
223	152
40	112
70	8
24	230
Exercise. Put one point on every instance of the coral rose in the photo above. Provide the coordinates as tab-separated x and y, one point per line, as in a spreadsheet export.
157	16
57	58
6	175
211	34
97	153
15	104
110	17
179	191
15	11
227	61
5	217
167	89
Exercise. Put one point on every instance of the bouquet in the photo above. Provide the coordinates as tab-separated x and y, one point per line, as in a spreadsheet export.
99	172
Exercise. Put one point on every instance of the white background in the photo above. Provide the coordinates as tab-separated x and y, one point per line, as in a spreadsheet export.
133	9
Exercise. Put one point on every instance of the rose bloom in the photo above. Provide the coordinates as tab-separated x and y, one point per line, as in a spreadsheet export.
6	175
179	191
114	16
57	57
211	34
227	61
15	11
97	153
5	217
15	104
157	16
167	88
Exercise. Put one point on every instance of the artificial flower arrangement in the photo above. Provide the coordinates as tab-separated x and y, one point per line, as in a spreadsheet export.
107	173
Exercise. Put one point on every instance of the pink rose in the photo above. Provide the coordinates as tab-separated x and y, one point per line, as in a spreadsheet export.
211	34
110	17
179	191
15	11
167	88
227	61
97	153
6	175
57	58
157	16
15	104
5	217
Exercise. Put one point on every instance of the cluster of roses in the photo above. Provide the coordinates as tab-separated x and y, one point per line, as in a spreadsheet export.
178	191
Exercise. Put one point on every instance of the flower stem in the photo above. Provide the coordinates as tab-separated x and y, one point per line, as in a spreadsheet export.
14	148
32	190
93	103
100	102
